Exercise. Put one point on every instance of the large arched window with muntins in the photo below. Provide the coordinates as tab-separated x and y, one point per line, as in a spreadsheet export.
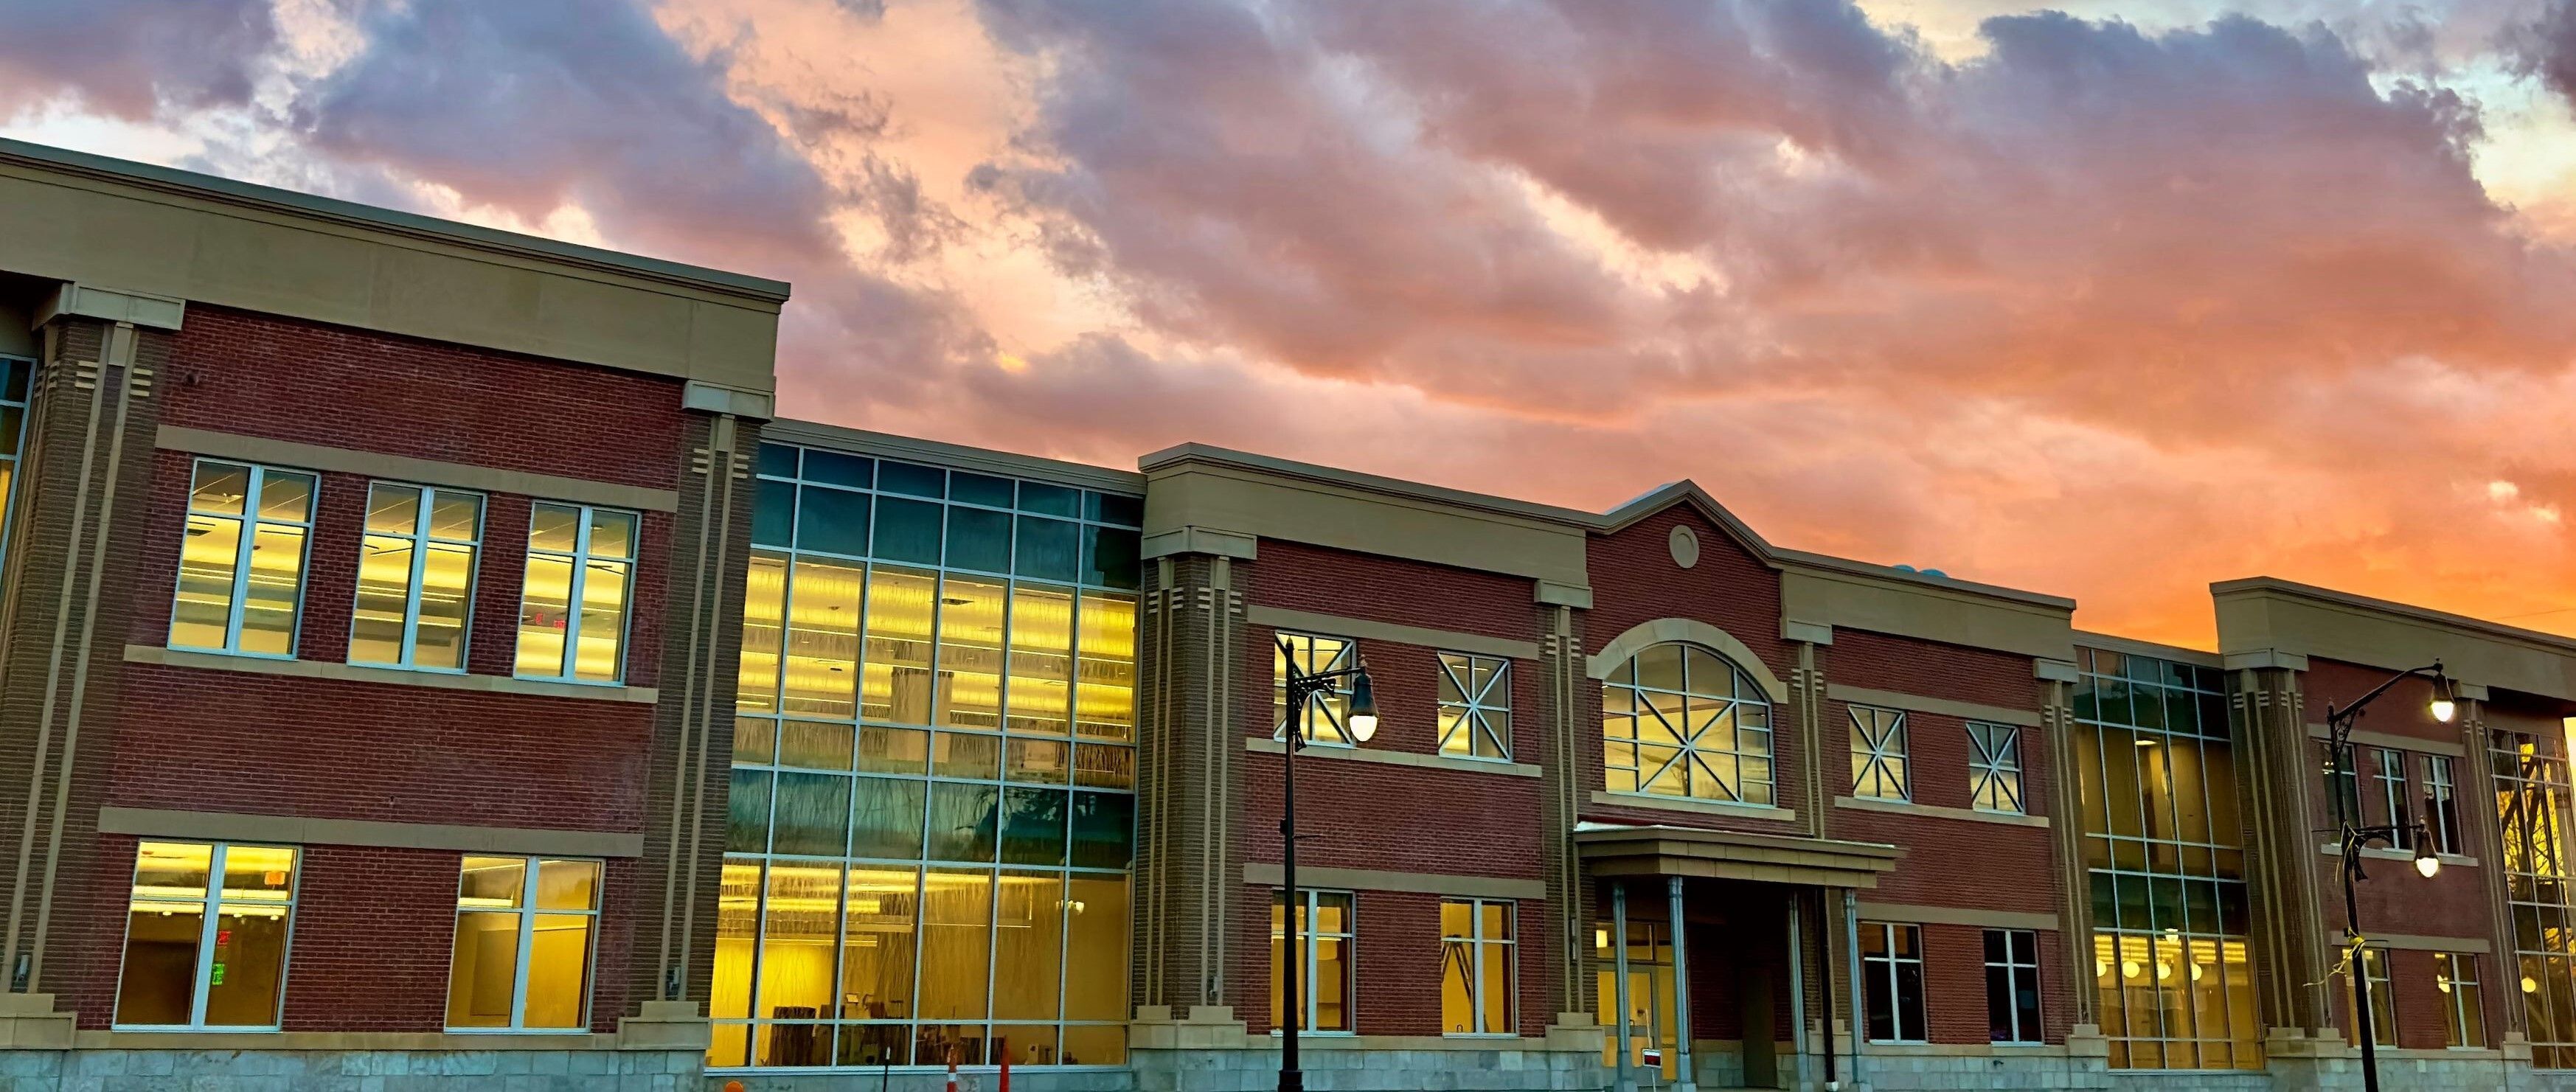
1678	720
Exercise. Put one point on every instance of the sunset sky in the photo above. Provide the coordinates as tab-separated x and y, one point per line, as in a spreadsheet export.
2108	302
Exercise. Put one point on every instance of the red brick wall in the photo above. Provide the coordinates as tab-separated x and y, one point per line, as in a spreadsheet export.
2394	899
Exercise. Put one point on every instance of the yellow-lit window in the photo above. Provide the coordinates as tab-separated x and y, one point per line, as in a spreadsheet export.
1476	967
524	931
241	568
17	376
1324	719
416	577
1475	705
581	576
1324	921
201	958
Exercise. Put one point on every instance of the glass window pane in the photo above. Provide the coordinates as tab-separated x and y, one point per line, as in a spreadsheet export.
1052	500
832	521
979	489
896	685
1028	950
887	818
545	616
907	530
248	974
275	586
555	528
1113	508
1041	659
1105	690
822	653
1041	760
747	812
393	509
456	517
893	750
764	615
1104	766
956	912
559	971
800	941
601	656
201	617
492	883
446	606
483	972
978	539
814	745
285	496
1110	556
1096	949
812	814
737	927
157	985
876	959
963	821
778	459
773	514
383	600
568	885
965	754
970	652
919	481
1048	549
1034	830
840	469
1104	829
612	534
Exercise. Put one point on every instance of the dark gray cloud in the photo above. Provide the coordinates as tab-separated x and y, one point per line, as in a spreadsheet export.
133	58
2548	47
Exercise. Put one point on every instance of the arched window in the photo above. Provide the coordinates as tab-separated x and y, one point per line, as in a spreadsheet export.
1678	720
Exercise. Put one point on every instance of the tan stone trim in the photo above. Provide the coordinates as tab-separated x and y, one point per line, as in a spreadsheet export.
1962	1050
1554	594
2131	646
1261	874
1365	630
1849	595
2055	671
1646	634
1809	632
1964	710
2267	615
1905	914
395	676
2394	742
1768	813
2415	942
302	830
1935	811
716	398
110	305
260	449
1202	540
912	449
2385	853
357	1040
1258	745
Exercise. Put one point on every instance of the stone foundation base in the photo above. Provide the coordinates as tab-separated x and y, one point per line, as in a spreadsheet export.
350	1071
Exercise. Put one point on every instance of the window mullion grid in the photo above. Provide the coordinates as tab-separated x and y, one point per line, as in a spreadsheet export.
241	559
574	596
527	941
408	653
207	928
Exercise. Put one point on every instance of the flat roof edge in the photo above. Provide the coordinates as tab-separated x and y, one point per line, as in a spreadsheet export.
980	459
2261	585
313	206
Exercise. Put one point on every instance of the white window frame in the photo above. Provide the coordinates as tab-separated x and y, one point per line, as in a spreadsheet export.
421	539
528	913
15	457
1695	748
2443	793
2392	794
1475	943
210	913
2460	994
1886	963
2014	968
581	557
251	521
1494	697
1349	936
1332	732
1879	754
1994	750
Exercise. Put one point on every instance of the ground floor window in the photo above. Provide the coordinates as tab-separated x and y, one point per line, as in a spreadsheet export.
2012	986
205	936
1476	967
2383	1002
525	927
1325	920
1891	968
2464	1018
1650	992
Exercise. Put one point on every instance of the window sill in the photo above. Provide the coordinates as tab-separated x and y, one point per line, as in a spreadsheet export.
1765	812
2383	853
414	669
1345	753
580	1032
395	676
1932	811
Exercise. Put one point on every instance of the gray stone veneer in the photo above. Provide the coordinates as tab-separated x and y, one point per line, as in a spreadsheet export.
350	1070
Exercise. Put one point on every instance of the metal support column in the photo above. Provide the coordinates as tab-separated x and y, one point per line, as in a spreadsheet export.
1686	1079
1625	1081
1797	979
1859	989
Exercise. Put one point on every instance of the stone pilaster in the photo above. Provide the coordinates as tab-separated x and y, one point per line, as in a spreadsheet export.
1189	781
2277	777
1562	692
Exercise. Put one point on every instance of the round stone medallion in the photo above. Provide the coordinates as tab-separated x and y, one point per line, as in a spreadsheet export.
1685	547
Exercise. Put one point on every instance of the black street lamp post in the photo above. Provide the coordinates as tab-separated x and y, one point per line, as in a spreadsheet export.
2354	838
1303	686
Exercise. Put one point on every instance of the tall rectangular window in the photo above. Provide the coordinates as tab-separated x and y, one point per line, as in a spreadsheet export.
524	931
2343	787
241	568
1891	967
2383	1002
2441	802
2388	773
1477	968
1324	719
1475	705
1326	922
1878	754
581	575
205	936
2464	1017
1994	767
2155	773
2012	986
416	577
16	378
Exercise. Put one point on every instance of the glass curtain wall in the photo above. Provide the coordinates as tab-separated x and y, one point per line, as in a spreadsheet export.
17	378
2164	850
932	811
2531	808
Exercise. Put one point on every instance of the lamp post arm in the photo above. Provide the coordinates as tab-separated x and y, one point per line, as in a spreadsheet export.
2339	720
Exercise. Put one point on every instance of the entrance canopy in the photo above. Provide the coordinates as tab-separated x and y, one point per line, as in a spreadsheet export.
1610	849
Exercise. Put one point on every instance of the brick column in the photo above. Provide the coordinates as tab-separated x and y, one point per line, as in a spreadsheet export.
69	593
1188	782
1563	694
2276	778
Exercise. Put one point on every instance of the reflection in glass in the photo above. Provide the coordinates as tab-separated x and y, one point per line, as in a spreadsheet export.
241	567
195	958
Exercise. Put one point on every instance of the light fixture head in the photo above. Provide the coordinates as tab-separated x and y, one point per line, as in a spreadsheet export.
2426	863
1363	706
2446	699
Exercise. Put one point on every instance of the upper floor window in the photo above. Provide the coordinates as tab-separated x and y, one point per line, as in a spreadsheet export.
1891	962
241	567
16	378
2343	787
1325	717
2391	777
523	942
1878	754
1475	705
2441	801
416	577
580	583
205	936
1994	767
1679	721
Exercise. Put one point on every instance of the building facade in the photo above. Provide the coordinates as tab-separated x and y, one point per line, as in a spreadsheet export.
427	660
